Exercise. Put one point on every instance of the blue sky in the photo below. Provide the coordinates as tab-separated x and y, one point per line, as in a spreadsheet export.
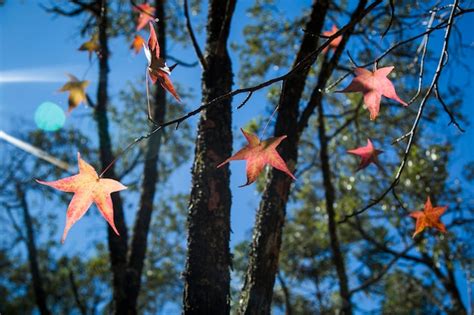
37	49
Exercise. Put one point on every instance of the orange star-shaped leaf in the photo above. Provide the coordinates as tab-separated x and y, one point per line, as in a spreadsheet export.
137	44
373	85
335	42
147	13
157	68
91	45
368	154
77	91
87	188
429	217
258	154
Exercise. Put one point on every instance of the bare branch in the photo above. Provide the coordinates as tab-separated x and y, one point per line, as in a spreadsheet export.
189	27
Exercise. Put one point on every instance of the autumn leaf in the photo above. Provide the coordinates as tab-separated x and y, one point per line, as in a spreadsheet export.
258	154
368	154
146	14
373	85
429	217
157	68
91	46
87	188
335	42
137	43
77	91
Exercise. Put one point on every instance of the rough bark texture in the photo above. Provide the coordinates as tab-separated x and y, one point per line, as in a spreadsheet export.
150	177
117	244
40	295
207	274
263	263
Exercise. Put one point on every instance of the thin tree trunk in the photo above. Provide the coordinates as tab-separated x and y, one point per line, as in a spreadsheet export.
286	294
150	177
117	244
337	257
207	274
75	292
257	292
40	295
316	101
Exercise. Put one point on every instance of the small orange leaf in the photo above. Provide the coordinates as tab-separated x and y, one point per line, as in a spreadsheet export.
137	43
373	85
87	188
77	91
258	154
429	217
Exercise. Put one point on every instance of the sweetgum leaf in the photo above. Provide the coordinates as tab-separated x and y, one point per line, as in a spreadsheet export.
258	154
429	217
368	154
373	85
88	188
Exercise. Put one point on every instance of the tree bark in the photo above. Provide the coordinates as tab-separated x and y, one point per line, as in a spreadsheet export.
38	289
117	244
257	292
207	274
150	177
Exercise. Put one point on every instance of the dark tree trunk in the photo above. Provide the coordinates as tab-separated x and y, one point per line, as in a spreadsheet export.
337	257
117	244
40	295
207	274
150	177
263	263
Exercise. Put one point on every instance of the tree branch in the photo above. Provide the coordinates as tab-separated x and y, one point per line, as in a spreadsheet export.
189	27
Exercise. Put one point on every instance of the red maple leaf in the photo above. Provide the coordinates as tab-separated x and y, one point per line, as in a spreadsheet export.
373	85
137	44
429	217
157	68
258	154
335	42
87	188
147	14
368	154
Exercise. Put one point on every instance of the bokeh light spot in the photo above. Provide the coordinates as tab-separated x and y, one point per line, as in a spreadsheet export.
49	116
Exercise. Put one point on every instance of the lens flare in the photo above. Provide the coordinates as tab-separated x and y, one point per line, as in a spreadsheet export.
49	116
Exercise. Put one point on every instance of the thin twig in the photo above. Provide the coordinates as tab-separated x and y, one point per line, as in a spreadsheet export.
392	15
182	63
249	95
447	110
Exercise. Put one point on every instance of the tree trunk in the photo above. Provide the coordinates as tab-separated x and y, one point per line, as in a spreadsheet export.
150	177
117	244
337	257
207	274
257	292
40	295
316	101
